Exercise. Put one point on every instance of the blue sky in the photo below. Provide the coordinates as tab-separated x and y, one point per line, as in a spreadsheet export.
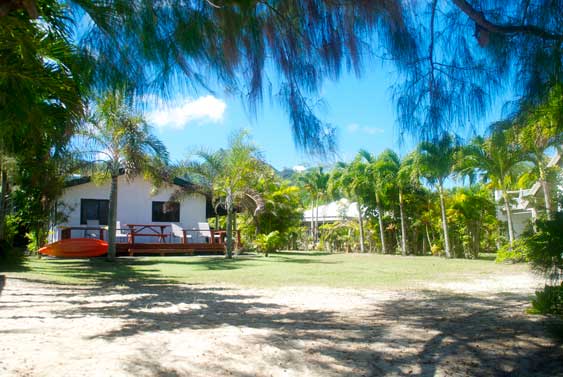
362	109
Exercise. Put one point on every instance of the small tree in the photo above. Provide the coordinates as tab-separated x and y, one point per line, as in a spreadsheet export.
230	175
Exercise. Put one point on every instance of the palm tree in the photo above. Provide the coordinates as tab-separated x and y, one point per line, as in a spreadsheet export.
241	168
203	169
537	130
352	181
435	162
118	140
382	170
230	176
407	176
499	160
315	183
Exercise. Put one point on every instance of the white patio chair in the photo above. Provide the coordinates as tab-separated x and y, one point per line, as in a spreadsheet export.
204	231
119	234
178	232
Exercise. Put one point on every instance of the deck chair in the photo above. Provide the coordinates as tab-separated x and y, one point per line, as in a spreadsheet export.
205	232
178	232
119	234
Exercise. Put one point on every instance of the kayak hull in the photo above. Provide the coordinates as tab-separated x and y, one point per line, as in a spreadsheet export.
76	248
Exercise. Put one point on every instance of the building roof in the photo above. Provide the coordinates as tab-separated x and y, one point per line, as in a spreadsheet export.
80	180
341	209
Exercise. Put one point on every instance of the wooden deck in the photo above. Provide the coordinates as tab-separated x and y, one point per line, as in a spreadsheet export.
169	248
215	242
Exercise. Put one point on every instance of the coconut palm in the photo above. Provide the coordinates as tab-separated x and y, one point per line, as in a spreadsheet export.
538	128
407	176
117	140
435	163
229	176
499	160
315	182
382	170
352	181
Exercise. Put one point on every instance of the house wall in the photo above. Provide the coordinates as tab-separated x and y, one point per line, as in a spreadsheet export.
134	203
520	221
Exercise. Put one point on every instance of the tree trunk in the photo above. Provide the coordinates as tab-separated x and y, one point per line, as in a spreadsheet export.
428	237
444	222
508	217
381	229
229	205
316	235
477	239
313	220
361	222
3	204
112	218
546	196
403	225
235	225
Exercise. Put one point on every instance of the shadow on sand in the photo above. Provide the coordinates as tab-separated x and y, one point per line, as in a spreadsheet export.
424	334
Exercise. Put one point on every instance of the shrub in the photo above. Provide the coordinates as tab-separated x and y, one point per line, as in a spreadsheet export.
548	301
436	250
515	254
545	248
268	243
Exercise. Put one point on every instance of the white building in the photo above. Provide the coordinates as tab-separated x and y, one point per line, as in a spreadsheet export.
339	210
84	203
524	202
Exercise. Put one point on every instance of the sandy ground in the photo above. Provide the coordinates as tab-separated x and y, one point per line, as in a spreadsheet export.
476	329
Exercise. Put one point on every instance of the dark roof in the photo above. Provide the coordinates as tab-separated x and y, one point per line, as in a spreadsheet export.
182	182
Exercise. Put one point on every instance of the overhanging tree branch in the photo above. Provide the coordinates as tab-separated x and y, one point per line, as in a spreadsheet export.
482	22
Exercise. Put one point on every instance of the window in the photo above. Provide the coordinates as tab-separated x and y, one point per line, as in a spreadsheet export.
94	209
165	212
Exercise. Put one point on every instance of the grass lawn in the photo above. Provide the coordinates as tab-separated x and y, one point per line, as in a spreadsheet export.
280	269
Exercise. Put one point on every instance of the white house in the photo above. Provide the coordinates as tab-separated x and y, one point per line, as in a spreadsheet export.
339	210
84	203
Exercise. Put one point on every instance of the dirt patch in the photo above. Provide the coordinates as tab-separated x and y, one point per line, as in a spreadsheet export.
477	328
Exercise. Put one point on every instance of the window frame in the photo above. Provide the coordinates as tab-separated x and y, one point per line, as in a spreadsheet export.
172	216
101	219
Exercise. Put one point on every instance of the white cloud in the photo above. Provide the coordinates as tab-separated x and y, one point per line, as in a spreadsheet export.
206	109
354	127
299	168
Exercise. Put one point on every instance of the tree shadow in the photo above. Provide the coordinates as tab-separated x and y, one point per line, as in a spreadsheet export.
302	253
13	260
426	333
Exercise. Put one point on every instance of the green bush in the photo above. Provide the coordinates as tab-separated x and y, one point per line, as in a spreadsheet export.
11	228
548	301
515	254
268	243
545	249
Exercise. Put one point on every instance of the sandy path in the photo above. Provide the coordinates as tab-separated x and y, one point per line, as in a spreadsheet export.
476	329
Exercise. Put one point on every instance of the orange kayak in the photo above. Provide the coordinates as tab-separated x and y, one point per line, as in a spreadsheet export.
76	248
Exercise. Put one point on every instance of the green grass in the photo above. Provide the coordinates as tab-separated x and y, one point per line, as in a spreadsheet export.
280	269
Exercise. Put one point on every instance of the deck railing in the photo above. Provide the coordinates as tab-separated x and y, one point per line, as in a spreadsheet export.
125	235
